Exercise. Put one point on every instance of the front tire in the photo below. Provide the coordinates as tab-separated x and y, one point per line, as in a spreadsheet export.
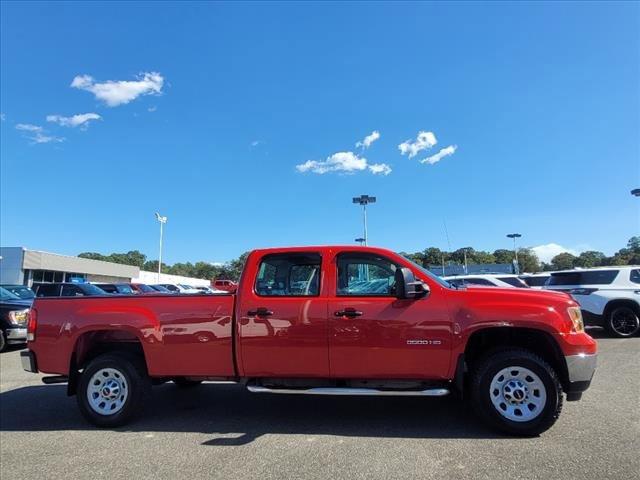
623	322
112	389
517	392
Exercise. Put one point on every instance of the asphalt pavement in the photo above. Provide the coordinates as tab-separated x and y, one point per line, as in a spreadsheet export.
225	432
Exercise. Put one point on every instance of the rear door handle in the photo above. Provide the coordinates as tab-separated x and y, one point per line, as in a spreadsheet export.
348	312
260	312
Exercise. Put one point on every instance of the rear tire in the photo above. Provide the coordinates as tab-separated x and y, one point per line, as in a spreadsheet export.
623	322
112	389
516	392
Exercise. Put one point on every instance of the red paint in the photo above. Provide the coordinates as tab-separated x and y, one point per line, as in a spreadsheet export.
192	335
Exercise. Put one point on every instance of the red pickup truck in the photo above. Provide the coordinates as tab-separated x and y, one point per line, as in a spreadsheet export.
325	321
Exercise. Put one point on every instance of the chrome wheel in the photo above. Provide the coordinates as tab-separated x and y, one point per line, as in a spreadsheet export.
107	391
518	394
624	322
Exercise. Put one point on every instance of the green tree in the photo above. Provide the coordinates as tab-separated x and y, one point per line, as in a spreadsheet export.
480	256
433	256
502	255
590	258
236	266
152	266
528	261
93	256
563	261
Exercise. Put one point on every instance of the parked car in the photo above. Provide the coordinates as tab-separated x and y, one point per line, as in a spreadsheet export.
608	296
297	326
142	289
116	288
14	313
163	289
179	288
67	290
487	280
536	280
210	290
225	285
21	291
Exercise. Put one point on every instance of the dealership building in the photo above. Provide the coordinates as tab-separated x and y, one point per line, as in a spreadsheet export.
21	266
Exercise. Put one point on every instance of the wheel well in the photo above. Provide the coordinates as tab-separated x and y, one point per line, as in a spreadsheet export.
482	342
621	303
90	345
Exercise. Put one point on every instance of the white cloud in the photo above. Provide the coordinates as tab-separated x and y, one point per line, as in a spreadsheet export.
423	141
380	168
546	252
37	133
368	140
27	127
343	162
255	143
120	92
82	120
444	152
40	137
152	109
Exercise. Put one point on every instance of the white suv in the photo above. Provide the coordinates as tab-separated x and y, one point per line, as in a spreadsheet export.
608	296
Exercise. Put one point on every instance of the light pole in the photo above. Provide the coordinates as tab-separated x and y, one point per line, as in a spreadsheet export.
364	200
162	221
515	250
635	192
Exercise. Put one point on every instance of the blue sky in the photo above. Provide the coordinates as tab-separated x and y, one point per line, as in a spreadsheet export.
541	100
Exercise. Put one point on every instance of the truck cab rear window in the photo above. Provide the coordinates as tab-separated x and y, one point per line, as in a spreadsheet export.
289	275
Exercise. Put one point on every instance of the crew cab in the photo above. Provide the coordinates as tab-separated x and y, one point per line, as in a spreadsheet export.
328	320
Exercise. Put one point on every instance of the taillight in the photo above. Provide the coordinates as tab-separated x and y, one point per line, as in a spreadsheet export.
32	324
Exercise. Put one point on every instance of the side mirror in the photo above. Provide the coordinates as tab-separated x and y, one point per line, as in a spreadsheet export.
407	287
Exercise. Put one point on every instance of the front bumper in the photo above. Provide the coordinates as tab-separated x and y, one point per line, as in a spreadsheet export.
16	335
580	368
28	360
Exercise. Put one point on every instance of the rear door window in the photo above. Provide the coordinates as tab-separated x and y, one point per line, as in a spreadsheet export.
634	276
592	277
289	275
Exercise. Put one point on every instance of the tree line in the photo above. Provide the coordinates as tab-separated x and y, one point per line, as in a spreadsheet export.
229	271
430	257
527	259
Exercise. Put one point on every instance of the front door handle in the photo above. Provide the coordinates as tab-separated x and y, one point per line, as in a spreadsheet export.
348	312
260	312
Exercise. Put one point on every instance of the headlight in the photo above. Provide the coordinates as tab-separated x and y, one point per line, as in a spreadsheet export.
18	316
575	314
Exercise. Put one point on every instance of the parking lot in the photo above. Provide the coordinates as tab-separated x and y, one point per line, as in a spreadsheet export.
225	432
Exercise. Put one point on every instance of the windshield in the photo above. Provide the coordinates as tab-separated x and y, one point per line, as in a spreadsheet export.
429	274
22	292
145	288
90	289
7	295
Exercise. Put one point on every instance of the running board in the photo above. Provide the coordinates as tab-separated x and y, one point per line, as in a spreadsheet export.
430	392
